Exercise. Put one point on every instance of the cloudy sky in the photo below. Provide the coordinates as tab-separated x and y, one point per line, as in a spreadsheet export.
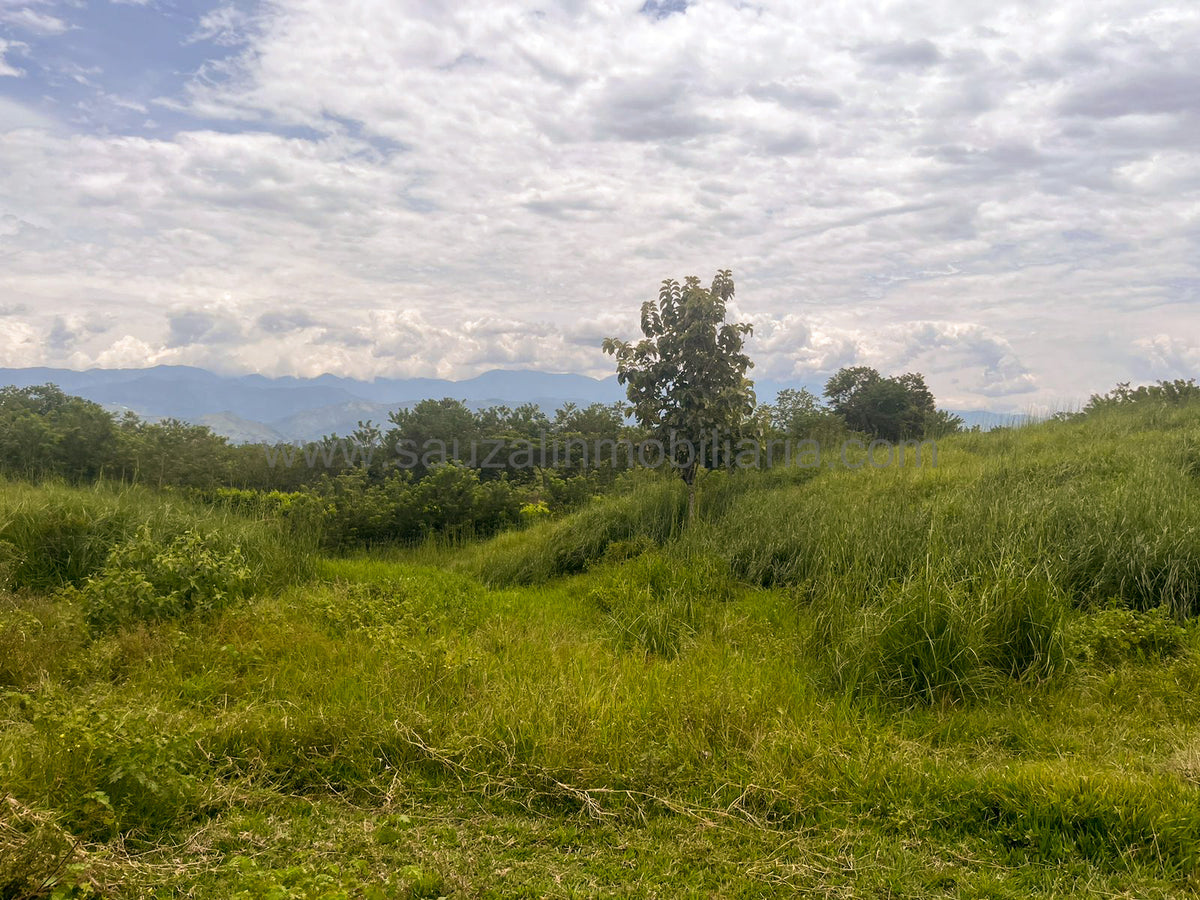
1005	197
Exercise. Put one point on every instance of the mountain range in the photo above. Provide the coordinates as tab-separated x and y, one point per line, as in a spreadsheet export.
259	408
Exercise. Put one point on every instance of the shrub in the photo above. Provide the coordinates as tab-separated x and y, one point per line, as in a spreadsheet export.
1114	634
145	580
52	536
108	770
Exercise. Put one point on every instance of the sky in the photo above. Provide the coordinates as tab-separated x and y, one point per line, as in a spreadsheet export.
1002	196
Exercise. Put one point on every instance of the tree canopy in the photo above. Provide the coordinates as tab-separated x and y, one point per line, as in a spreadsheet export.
686	379
892	408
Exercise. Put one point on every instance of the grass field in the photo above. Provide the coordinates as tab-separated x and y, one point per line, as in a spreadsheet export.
978	679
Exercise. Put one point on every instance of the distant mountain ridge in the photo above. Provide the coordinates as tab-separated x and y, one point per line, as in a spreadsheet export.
260	408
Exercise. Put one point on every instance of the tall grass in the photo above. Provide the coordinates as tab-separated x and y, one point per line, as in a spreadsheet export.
53	535
1104	508
928	582
846	662
652	511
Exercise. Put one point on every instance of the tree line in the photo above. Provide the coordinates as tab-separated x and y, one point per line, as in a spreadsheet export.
685	380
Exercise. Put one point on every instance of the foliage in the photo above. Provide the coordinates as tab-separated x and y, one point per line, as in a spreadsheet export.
891	409
1116	634
54	536
686	379
799	414
111	774
46	432
144	580
847	683
1161	393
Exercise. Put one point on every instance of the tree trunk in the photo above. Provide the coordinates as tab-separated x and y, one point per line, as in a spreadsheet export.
689	478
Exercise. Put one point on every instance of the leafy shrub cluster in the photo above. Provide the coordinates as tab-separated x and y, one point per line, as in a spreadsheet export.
1161	393
1114	634
146	580
111	773
355	509
53	536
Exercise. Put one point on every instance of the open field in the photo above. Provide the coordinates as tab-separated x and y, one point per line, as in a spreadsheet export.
974	680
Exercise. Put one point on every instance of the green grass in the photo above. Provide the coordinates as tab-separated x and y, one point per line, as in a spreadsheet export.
53	536
974	681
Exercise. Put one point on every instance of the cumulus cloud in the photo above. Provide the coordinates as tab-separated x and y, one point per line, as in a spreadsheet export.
202	326
999	197
67	331
19	345
1164	356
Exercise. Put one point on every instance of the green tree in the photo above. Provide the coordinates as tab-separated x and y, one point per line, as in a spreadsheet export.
1161	392
890	408
800	414
686	379
444	428
45	432
171	452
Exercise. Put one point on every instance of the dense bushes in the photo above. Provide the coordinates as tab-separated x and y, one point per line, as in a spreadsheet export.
133	541
145	580
355	510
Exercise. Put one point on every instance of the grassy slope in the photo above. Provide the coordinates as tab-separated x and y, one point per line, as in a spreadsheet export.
836	683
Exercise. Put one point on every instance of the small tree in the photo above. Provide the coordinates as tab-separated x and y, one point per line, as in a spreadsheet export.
686	379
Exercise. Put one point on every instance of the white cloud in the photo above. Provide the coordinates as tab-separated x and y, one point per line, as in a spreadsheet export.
1004	197
1169	357
19	345
6	68
128	352
29	19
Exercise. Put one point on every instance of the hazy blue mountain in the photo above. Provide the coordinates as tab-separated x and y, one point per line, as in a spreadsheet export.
239	430
260	408
257	407
340	418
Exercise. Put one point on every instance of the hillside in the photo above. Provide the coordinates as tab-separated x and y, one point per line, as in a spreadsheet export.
974	679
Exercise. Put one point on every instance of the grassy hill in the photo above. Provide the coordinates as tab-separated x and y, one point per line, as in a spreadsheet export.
974	679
